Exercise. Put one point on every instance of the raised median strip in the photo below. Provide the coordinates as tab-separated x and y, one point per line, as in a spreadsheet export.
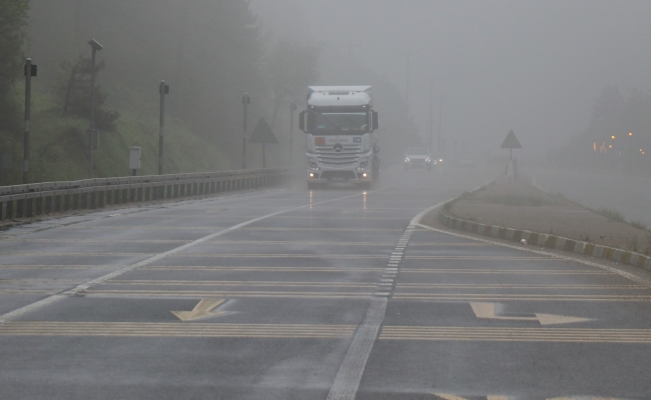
548	240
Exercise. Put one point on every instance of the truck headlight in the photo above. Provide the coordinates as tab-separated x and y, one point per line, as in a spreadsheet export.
363	163
407	159
427	160
312	163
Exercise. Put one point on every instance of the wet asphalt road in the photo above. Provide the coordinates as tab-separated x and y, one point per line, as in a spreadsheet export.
296	294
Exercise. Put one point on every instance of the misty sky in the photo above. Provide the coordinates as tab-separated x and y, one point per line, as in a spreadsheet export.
531	66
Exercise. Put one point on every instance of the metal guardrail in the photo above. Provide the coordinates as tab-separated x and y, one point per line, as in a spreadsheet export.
26	201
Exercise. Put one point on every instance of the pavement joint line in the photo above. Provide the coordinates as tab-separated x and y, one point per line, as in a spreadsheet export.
84	286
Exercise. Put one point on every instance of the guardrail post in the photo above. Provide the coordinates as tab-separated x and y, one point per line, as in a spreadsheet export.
48	204
20	206
57	203
37	206
10	209
3	210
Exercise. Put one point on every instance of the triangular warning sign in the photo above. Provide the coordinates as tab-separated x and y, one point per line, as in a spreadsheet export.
262	133
511	142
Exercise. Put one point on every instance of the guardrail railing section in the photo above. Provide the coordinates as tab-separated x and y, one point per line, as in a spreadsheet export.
26	201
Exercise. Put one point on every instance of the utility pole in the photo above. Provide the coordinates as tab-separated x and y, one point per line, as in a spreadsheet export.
30	70
96	47
292	108
163	90
350	59
438	146
246	100
407	80
630	152
431	123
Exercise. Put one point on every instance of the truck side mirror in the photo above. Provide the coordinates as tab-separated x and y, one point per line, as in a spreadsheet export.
301	121
376	124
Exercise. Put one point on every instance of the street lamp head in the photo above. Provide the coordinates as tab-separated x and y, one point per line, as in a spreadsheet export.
613	137
95	45
630	134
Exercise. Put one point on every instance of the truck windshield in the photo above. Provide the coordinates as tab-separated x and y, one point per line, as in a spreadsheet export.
339	124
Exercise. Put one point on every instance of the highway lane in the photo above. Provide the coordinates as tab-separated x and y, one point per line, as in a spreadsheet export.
296	294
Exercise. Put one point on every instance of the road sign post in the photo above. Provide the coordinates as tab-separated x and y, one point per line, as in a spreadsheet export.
30	71
246	100
163	89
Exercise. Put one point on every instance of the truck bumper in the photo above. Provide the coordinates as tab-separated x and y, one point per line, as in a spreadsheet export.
352	176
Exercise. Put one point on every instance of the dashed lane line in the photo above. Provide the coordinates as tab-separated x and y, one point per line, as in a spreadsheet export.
315	331
198	294
206	330
495	297
542	253
193	255
488	286
504	271
562	335
238	283
485	258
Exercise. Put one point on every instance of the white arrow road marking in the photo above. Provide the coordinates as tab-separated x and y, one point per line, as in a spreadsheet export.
487	310
201	310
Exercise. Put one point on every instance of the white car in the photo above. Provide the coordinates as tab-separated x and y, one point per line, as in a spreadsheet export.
418	157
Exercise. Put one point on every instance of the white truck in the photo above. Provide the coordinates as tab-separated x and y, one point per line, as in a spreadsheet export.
341	144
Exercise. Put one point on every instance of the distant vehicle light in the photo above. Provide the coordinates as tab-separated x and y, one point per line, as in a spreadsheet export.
407	160
440	160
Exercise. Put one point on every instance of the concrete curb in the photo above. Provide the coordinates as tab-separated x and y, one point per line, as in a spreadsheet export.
550	241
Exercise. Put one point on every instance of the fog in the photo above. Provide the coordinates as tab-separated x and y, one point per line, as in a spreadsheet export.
534	67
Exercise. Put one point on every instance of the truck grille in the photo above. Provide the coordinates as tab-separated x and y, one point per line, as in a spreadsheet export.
346	158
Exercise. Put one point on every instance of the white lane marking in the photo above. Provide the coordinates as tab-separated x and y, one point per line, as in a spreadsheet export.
71	292
350	372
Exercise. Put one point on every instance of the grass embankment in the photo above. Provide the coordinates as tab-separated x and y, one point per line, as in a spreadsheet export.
59	149
525	207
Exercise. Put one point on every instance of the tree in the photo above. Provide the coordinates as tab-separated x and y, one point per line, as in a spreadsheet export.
291	67
74	93
13	18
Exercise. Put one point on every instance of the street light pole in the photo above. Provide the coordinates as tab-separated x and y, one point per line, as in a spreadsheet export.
630	152
407	79
292	108
163	90
30	70
246	100
613	158
96	47
431	122
438	145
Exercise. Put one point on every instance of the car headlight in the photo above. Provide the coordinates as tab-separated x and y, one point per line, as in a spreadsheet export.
407	160
428	160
